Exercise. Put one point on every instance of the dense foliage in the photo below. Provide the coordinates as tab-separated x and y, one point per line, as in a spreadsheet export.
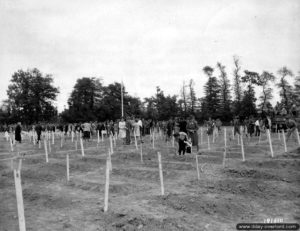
31	97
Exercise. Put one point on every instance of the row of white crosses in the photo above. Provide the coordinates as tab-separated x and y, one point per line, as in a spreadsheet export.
109	168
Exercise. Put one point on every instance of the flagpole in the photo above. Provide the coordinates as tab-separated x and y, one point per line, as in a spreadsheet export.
122	109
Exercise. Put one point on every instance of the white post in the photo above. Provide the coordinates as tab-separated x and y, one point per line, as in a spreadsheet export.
115	140
109	157
197	166
106	186
98	137
153	140
142	153
225	139
61	139
39	144
242	147
72	136
49	145
270	142
82	148
284	141
46	151
224	157
135	141
161	174
213	140
111	144
68	167
208	142
33	138
11	144
201	136
297	134
173	139
19	195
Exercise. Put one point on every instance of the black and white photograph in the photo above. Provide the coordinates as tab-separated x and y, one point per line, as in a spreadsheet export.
149	115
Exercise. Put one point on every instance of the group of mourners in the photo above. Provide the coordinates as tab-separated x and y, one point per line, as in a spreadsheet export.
183	131
251	126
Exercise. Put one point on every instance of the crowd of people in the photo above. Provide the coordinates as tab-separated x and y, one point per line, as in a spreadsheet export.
183	131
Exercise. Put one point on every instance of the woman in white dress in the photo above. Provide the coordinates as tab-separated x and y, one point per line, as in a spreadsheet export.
122	129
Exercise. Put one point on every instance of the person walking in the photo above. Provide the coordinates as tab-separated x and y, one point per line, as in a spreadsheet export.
291	126
38	130
18	131
192	129
257	128
86	131
122	129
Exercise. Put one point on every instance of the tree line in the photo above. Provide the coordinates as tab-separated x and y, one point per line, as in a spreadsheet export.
32	95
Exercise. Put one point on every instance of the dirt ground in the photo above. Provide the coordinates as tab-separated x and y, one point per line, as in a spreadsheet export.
251	191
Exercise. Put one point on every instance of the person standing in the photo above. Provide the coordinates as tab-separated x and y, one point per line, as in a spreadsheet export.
169	129
236	125
38	130
257	128
141	128
122	129
192	128
210	127
182	138
137	129
128	130
18	131
291	126
86	131
182	125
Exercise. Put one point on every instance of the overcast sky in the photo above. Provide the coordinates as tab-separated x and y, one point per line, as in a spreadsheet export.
145	43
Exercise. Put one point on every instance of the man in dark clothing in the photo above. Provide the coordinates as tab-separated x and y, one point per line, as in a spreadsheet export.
18	131
236	125
182	125
291	126
38	130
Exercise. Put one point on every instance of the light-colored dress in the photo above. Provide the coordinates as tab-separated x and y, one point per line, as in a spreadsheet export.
122	129
136	127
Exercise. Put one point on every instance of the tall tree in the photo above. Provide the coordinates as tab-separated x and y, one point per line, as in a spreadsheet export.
31	95
248	102
161	107
85	98
184	99
266	96
238	91
109	106
212	94
192	96
225	93
286	88
296	91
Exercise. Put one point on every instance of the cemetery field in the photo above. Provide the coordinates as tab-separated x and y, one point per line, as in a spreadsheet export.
226	193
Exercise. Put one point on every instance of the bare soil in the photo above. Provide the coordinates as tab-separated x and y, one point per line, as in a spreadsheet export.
259	188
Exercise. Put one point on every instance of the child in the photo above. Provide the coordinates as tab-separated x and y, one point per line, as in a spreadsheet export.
181	142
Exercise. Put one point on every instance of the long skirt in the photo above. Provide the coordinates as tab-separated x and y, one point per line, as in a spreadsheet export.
127	137
194	138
